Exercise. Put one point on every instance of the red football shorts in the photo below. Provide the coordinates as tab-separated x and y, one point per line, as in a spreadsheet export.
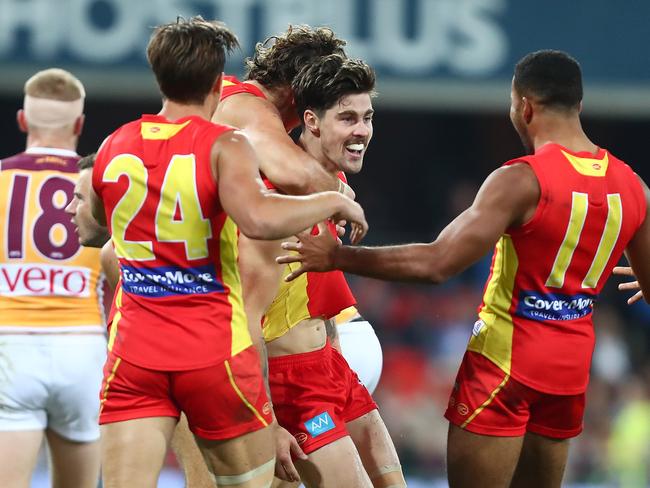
315	394
487	401
221	401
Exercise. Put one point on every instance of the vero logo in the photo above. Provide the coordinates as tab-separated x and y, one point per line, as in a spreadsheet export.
319	424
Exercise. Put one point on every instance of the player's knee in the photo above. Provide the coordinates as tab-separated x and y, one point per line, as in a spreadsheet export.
259	477
388	477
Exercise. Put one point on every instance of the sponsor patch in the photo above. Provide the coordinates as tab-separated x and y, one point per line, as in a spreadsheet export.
319	424
548	306
170	280
478	327
35	279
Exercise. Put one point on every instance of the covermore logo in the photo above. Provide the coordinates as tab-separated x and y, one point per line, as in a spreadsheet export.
35	279
170	280
548	306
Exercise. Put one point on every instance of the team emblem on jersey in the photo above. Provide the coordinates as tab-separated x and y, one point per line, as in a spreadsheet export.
319	424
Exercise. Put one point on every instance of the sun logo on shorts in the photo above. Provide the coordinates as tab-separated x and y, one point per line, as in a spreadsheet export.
301	437
462	409
266	409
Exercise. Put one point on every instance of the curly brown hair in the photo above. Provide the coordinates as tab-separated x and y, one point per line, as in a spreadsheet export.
188	55
321	84
278	59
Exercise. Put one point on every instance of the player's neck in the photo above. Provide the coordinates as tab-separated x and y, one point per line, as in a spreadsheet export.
566	132
173	110
314	148
56	141
282	100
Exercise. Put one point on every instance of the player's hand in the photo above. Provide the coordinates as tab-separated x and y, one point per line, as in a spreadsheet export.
340	229
313	252
353	212
286	445
630	285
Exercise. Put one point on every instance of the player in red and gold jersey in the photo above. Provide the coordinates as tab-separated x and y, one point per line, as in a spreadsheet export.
51	325
174	189
316	395
560	219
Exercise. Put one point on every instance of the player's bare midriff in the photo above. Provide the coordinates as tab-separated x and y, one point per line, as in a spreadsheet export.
307	336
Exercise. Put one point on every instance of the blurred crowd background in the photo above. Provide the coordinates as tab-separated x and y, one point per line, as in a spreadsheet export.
441	126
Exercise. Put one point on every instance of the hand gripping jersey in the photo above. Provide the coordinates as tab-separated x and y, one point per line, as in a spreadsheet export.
48	282
180	306
311	295
536	316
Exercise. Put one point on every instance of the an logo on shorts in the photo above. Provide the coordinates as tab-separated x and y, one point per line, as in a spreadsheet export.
478	327
301	437
462	409
319	424
266	409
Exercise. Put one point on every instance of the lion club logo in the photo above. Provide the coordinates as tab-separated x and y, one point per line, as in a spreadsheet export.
462	409
266	409
301	437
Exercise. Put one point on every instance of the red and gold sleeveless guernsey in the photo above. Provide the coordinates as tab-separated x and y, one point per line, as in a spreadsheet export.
48	282
180	307
536	316
312	294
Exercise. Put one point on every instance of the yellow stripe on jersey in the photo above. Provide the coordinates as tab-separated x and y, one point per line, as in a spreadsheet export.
116	318
290	306
159	131
226	83
607	240
494	339
579	207
108	384
588	166
346	315
241	337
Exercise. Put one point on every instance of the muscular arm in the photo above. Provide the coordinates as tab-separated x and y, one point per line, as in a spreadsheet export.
638	250
110	265
508	197
264	215
285	164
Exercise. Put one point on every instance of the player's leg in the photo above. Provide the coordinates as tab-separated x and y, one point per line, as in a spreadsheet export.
334	465
23	399
377	451
246	461
542	462
554	419
73	433
480	460
361	349
133	451
188	454
488	413
73	463
229	413
19	453
137	420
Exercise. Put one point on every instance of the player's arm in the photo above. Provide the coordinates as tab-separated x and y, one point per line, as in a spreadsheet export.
283	162
260	214
508	197
638	251
110	265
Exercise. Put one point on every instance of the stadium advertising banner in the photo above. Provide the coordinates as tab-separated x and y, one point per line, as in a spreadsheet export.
428	53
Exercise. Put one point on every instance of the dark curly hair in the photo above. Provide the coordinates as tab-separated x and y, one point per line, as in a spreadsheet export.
278	59
321	84
188	55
